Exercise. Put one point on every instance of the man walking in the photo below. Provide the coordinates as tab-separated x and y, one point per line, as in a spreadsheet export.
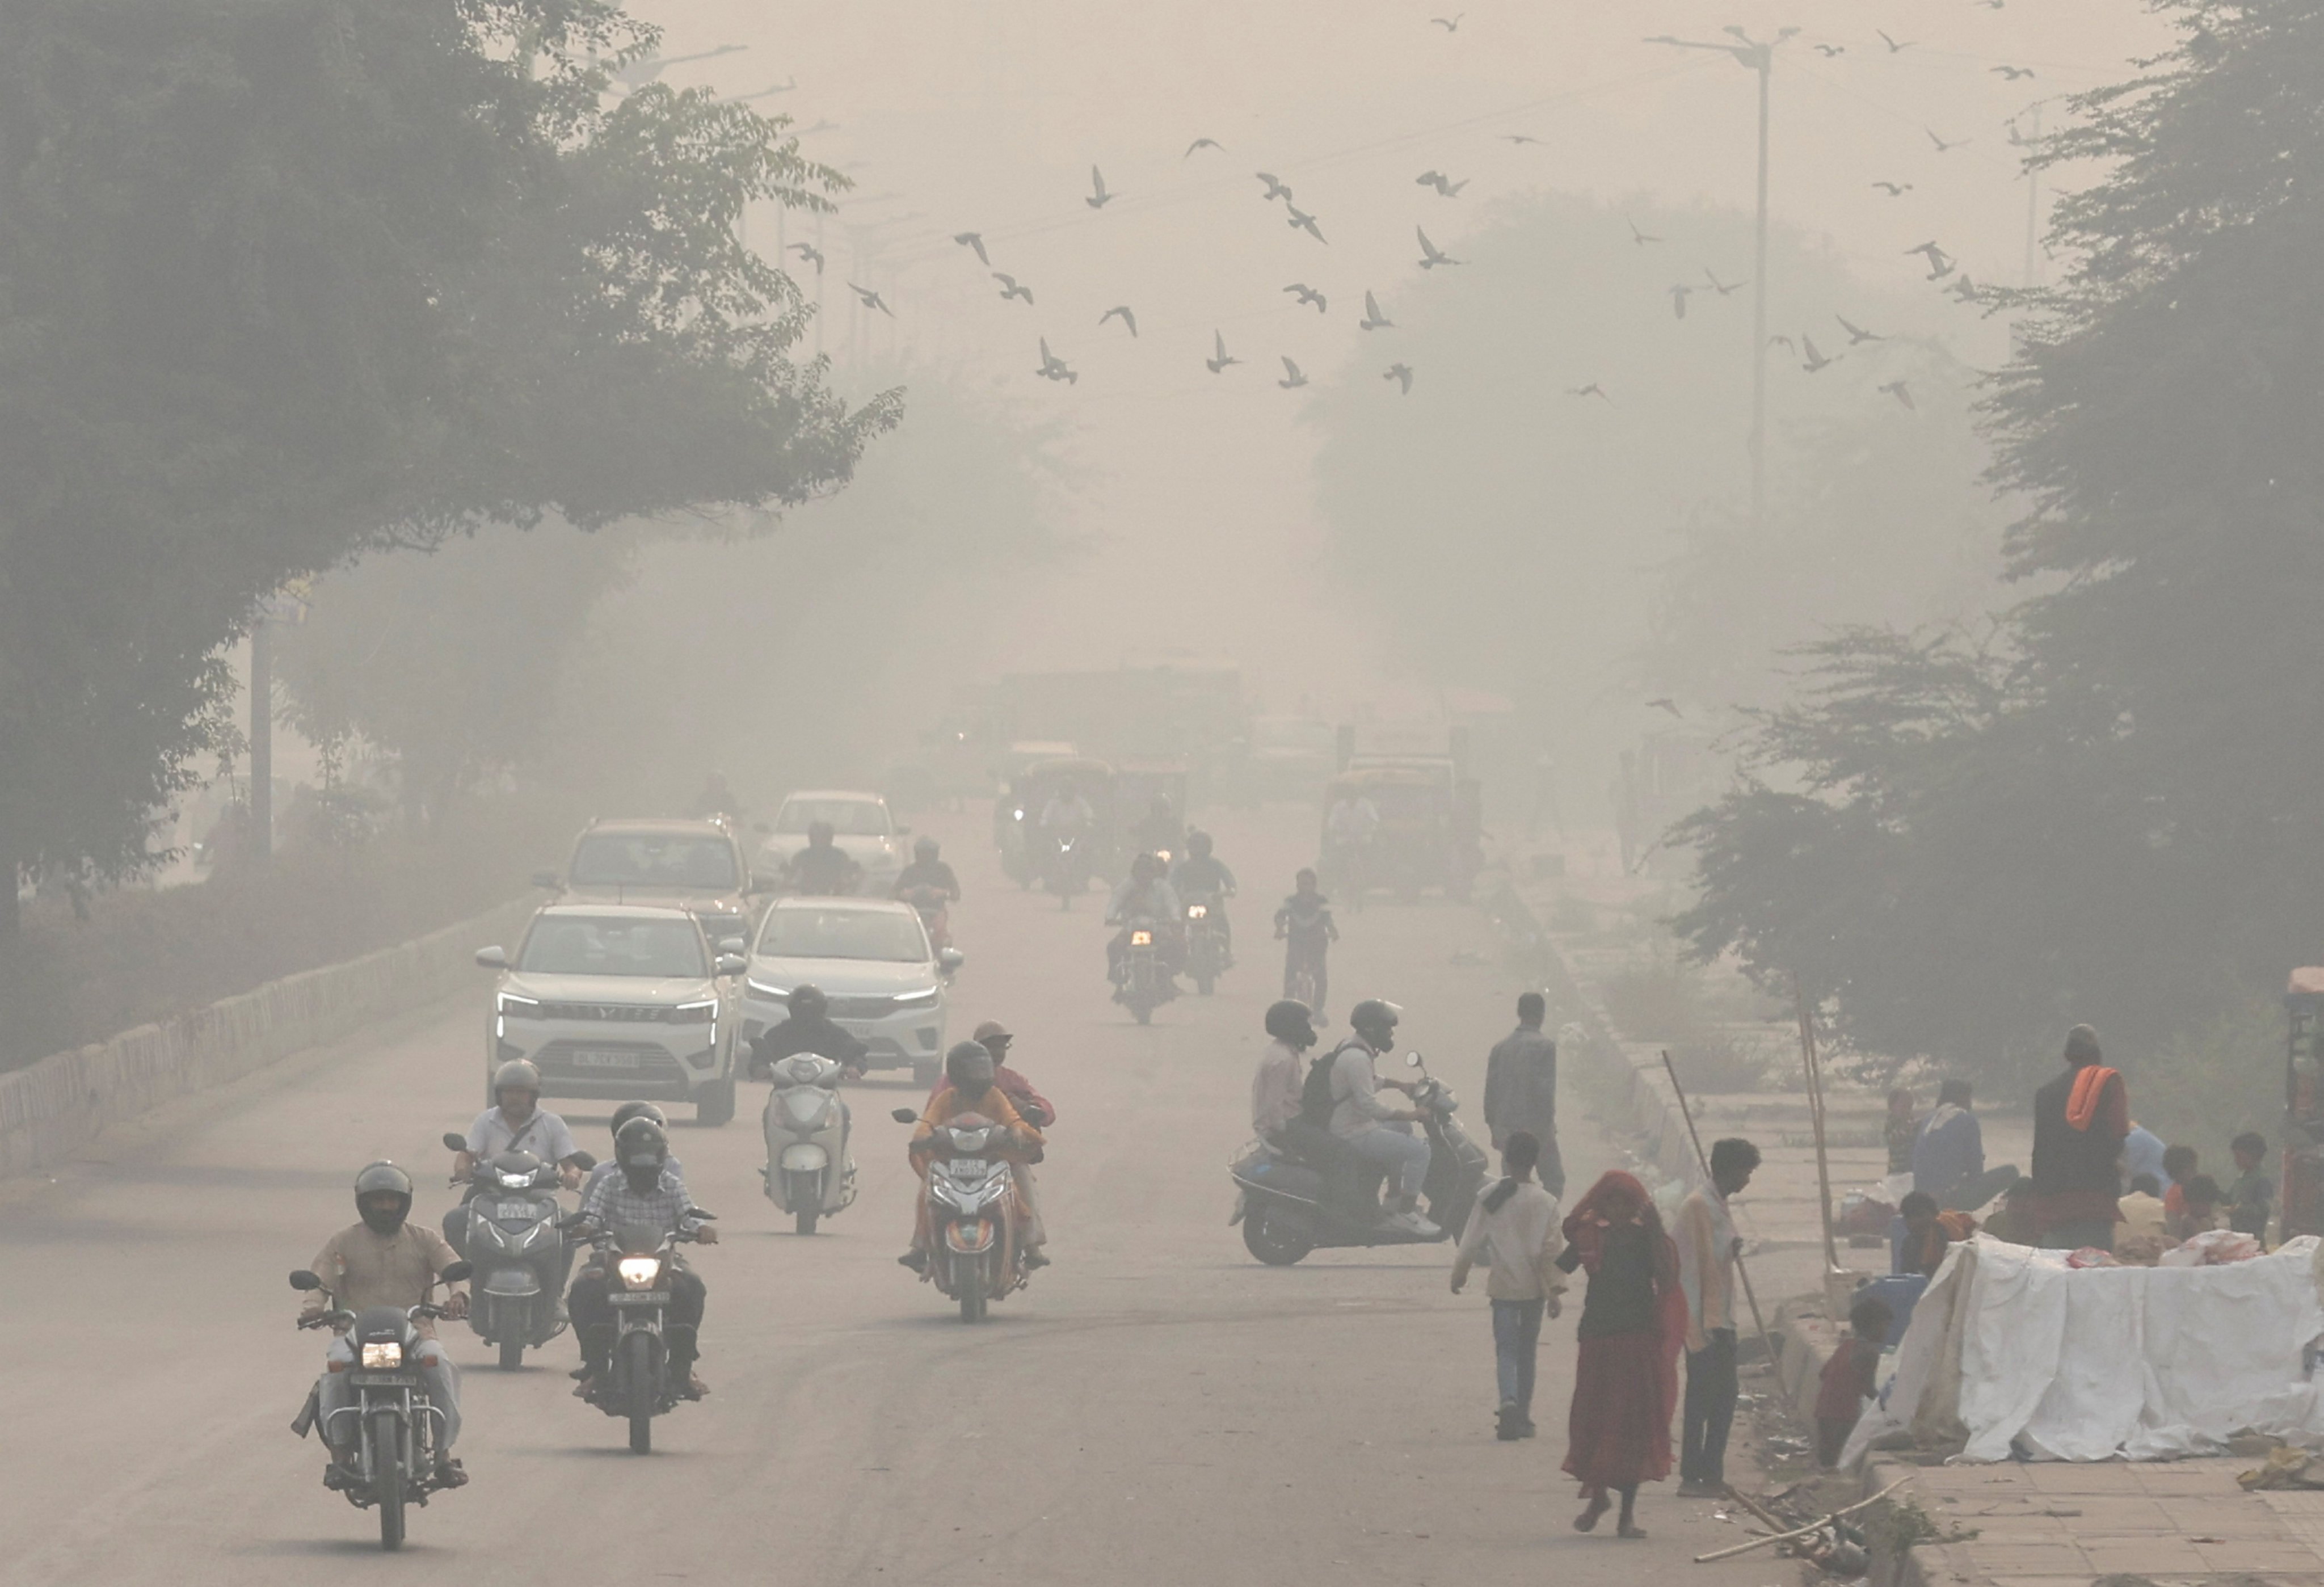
1514	1229
1708	1246
1521	1089
2081	1120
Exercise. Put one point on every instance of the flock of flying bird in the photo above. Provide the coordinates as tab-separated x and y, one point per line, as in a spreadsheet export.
1813	359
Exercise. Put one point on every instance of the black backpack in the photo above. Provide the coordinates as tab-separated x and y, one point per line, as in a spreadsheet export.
1315	1098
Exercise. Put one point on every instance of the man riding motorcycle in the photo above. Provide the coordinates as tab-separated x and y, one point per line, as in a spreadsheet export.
673	1172
810	1029
1376	1134
1159	830
1200	875
926	871
643	1191
515	1122
1145	893
823	869
1033	1108
1303	925
972	1074
384	1261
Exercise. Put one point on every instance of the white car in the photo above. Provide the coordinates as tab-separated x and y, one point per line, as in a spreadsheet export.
860	827
619	1001
872	959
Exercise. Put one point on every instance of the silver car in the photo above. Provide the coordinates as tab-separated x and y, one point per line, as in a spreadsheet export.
619	1001
872	959
860	828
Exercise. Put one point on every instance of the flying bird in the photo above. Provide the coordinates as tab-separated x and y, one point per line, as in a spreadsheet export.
1898	390
1856	333
809	254
1099	198
1815	361
1523	138
2011	73
1203	143
1446	187
1637	236
1941	263
1301	221
1307	295
1678	296
1829	51
974	239
1451	24
1401	373
871	300
1964	290
1785	342
1431	255
1373	318
1592	390
1053	367
1724	288
1275	187
1894	47
1218	362
1292	379
1942	146
1666	703
1010	288
1991	4
1127	317
1895	190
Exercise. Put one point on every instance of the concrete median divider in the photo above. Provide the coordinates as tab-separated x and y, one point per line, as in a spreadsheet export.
50	1108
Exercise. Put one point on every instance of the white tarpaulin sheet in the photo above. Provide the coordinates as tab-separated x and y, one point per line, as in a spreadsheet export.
2011	1345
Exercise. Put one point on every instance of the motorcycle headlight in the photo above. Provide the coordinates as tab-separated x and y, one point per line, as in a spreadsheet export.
1163	855
1141	939
1198	912
516	1181
924	999
382	1355
639	1272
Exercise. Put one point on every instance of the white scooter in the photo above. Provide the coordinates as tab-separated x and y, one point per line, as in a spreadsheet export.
808	1172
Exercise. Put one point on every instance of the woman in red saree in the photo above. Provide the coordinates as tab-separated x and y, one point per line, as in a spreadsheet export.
1633	1322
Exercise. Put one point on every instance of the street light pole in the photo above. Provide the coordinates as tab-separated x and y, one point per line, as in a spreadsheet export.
1761	58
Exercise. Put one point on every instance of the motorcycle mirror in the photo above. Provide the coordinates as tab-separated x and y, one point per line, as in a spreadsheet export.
1412	1059
585	1161
455	1143
493	958
456	1271
905	1116
301	1278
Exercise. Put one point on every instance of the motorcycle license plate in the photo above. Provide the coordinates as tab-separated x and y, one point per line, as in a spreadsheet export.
384	1379
641	1297
524	1210
603	1060
969	1165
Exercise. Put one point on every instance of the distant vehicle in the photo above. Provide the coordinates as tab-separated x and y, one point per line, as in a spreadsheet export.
871	957
1430	833
1289	758
695	865
861	826
1017	817
619	1001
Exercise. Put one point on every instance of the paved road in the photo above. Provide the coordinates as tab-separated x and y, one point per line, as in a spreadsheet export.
1157	1408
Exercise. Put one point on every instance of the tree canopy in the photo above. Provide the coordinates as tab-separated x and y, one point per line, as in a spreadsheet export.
282	281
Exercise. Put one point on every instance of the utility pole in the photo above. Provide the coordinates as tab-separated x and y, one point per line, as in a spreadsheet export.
1761	58
2032	196
261	741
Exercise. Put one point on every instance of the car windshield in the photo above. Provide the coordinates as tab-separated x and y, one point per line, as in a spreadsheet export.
848	818
842	934
569	944
647	859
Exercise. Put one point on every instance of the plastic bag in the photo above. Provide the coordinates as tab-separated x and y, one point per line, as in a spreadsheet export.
2093	1256
2214	1248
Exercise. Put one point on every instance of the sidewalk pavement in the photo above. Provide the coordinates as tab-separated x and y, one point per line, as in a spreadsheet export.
2059	1523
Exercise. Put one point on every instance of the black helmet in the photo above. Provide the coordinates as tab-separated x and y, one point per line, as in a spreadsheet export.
924	849
384	1178
1375	1020
969	1066
641	1148
516	1074
629	1110
1292	1022
807	1001
1198	843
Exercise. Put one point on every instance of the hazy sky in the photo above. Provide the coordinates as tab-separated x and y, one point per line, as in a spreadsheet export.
954	115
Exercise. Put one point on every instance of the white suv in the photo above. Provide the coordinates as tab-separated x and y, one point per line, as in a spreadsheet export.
619	1001
860	828
872	959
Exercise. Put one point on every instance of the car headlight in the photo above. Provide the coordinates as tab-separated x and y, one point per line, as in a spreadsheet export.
1198	912
639	1272
1141	939
1163	855
925	998
382	1355
697	1013
510	1006
779	993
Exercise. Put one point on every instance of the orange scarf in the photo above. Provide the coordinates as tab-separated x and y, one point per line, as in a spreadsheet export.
2090	1081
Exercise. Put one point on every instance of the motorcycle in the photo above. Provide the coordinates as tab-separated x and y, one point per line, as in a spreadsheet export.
396	1427
1147	983
809	1173
1290	1202
936	915
1206	943
639	1260
1067	870
973	1255
512	1229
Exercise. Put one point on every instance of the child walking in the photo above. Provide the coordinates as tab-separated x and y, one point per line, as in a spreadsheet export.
1514	1229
